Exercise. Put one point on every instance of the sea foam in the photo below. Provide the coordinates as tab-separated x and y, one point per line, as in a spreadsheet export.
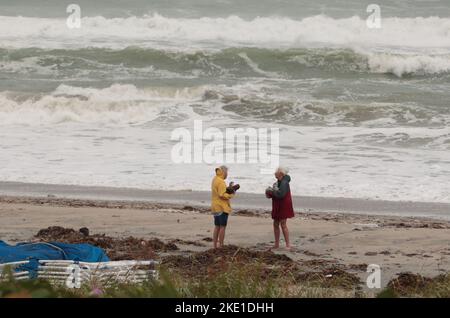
153	30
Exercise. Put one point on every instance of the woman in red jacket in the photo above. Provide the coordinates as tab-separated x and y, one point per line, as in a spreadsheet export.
282	208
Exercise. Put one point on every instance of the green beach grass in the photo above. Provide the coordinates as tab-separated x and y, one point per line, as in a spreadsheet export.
236	282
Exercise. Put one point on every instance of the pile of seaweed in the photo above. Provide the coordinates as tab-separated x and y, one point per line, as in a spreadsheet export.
127	248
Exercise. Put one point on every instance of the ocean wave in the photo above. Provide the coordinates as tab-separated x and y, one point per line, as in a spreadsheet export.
179	33
358	60
436	141
408	64
127	104
118	104
134	62
335	113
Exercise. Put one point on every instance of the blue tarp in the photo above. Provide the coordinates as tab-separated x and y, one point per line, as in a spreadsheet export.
34	252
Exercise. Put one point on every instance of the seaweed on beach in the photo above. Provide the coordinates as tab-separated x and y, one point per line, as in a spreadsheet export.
358	267
409	284
265	264
329	278
127	248
187	242
215	261
404	283
214	264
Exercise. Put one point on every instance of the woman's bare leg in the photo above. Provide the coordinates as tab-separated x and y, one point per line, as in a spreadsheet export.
276	231
285	230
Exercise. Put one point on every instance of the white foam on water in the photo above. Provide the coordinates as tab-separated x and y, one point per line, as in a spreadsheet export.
323	161
27	66
254	66
129	104
419	32
408	64
117	104
397	62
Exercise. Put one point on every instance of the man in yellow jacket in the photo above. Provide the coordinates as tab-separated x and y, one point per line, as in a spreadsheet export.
220	204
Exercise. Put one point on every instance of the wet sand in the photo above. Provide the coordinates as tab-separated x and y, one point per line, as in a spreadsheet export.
242	201
397	244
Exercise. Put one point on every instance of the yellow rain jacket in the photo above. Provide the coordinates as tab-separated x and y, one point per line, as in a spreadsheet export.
220	199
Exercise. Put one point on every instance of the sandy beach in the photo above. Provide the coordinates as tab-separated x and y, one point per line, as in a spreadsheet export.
348	240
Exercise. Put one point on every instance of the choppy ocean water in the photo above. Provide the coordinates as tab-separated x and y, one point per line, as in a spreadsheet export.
362	112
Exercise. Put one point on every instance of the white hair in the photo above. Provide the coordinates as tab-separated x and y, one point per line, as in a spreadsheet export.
283	170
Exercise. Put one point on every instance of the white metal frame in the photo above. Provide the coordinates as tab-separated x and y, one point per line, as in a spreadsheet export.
19	275
74	274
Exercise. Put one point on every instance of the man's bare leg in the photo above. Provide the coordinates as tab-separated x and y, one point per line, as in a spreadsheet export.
221	235
216	235
285	230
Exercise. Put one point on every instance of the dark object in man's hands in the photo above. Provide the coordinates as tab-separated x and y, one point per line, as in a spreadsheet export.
232	188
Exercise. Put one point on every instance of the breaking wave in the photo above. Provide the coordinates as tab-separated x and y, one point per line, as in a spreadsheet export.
133	62
154	29
117	104
128	104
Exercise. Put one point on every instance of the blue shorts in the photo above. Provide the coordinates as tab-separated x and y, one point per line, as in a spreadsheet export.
220	219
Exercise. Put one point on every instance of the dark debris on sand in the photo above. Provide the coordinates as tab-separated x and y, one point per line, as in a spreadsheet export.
408	283
128	248
187	242
266	264
329	278
215	261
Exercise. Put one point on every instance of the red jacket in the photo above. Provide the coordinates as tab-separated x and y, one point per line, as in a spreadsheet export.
282	200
